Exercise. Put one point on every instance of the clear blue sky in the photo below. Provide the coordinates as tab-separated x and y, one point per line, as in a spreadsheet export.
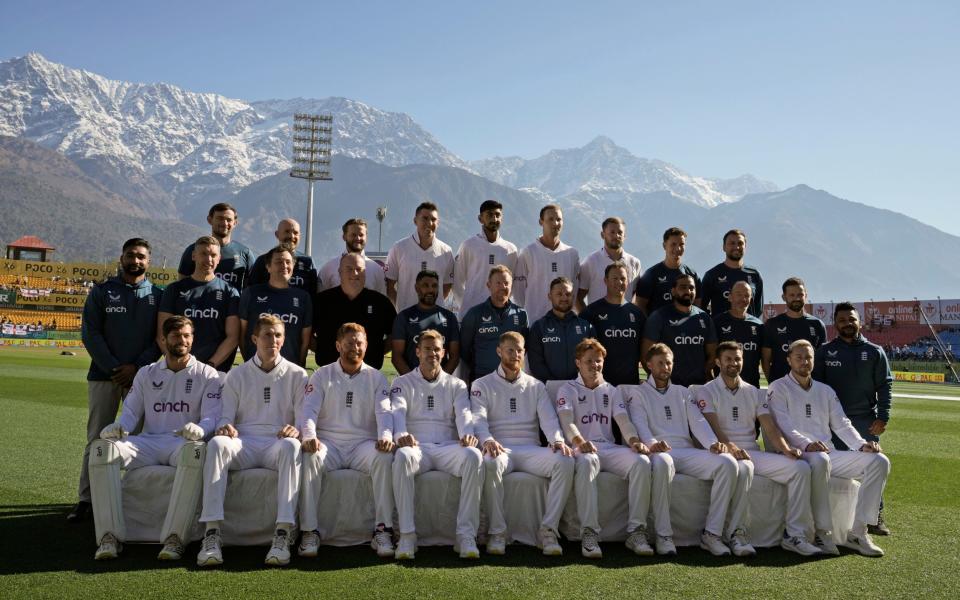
858	98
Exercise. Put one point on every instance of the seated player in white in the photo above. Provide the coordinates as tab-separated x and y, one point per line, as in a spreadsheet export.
347	425
510	408
433	428
809	413
587	407
178	399
672	418
732	407
262	399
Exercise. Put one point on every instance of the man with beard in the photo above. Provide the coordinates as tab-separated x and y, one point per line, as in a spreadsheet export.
119	332
278	297
653	287
355	238
422	251
687	330
236	260
416	319
486	322
859	372
210	302
543	261
304	275
737	325
477	254
619	326
553	339
351	302
784	329
177	399
593	270
718	281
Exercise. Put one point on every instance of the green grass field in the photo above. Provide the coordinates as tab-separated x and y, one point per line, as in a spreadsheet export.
43	404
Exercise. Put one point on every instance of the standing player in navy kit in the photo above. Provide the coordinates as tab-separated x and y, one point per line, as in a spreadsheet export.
304	275
236	260
277	297
655	285
718	281
483	325
618	325
554	337
119	317
859	372
210	302
424	315
689	333
737	325
787	327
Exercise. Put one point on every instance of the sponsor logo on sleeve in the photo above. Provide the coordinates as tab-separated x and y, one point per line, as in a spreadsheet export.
475	393
309	388
395	390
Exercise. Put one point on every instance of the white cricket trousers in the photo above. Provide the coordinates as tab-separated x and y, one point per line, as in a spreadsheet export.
793	473
225	454
103	400
362	456
622	462
457	460
536	460
870	467
729	492
107	457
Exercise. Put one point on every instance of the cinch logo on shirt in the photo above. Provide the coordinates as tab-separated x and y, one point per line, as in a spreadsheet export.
749	346
201	313
550	339
490	329
288	318
620	333
687	340
228	277
115	309
177	407
297	281
594	418
833	363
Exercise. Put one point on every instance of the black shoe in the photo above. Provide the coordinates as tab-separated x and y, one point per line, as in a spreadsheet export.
880	528
80	512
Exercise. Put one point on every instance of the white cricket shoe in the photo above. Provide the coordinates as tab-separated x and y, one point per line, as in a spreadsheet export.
549	543
800	546
210	553
863	544
382	541
824	541
172	548
590	544
740	546
466	546
665	546
497	544
279	553
109	547
407	547
713	544
309	544
637	542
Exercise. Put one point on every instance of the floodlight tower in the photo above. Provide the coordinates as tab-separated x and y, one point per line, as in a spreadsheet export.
312	141
381	215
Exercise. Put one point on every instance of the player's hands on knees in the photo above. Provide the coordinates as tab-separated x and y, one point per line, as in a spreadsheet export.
661	446
562	448
719	448
794	453
738	452
469	441
587	447
637	446
877	427
311	445
493	448
870	447
288	431
407	440
228	430
386	445
817	446
113	431
191	432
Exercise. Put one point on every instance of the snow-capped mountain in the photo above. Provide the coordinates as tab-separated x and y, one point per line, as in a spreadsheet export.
191	143
603	167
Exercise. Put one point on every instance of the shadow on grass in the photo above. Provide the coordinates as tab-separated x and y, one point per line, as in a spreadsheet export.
37	539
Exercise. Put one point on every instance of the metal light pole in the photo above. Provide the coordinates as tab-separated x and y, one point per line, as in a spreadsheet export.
312	141
381	215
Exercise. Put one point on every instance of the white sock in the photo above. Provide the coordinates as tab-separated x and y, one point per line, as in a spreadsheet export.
211	525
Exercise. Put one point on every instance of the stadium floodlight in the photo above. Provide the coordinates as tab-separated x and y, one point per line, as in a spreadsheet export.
381	215
312	142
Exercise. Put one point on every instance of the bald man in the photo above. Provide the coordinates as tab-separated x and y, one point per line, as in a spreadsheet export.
304	275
